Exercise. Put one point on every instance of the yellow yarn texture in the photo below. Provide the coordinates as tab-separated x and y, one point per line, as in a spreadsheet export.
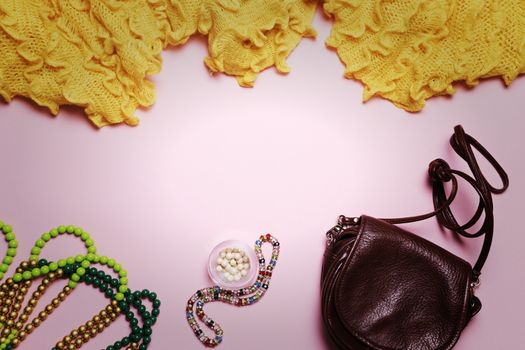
98	54
409	50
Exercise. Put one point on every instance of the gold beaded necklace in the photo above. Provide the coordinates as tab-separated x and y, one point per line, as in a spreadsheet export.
15	325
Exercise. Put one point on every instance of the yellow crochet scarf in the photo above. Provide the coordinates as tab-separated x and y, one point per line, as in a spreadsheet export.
97	54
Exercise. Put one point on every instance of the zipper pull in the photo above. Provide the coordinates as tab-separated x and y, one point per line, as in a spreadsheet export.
342	223
331	233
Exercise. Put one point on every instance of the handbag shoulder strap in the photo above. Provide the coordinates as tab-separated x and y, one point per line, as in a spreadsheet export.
440	173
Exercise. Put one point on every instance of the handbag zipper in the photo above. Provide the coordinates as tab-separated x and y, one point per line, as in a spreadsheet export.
343	223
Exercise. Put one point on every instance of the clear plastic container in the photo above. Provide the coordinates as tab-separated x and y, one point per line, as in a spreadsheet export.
219	278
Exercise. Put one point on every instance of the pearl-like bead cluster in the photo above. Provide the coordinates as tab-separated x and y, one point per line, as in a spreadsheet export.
233	264
237	297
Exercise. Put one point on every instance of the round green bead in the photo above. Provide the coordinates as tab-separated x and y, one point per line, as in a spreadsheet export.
81	271
84	236
46	237
123	273
62	262
35	251
117	268
10	236
85	264
70	260
119	296
124	280
92	249
13	243
70	229
7	228
4	268
53	266
61	229
78	232
35	272
79	258
44	270
122	289
72	284
75	277
11	252
104	260
17	277
27	275
53	233
111	262
8	260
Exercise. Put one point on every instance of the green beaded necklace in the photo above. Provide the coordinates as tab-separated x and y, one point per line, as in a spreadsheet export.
78	270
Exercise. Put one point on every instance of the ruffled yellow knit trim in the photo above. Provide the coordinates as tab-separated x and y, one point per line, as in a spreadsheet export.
409	50
97	54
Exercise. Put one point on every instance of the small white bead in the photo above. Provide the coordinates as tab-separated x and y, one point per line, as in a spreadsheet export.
224	263
237	277
219	260
245	259
219	268
229	278
244	273
228	256
237	256
233	262
223	254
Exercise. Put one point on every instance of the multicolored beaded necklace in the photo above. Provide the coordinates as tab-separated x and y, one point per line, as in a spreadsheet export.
15	328
237	297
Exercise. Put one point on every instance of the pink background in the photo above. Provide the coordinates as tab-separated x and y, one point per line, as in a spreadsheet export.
212	161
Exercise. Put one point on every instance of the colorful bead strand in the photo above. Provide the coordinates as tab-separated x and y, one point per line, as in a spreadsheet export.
237	297
15	327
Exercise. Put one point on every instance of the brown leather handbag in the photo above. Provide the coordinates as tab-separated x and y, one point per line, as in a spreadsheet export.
385	288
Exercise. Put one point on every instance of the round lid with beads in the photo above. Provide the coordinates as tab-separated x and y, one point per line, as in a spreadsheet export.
233	264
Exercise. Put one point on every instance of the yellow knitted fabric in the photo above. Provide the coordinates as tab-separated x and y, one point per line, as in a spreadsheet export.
98	53
409	50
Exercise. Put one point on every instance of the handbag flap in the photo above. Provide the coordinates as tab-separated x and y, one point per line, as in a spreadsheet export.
400	291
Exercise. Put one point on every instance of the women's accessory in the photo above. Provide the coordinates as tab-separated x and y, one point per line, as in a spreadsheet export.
71	53
237	297
385	288
232	265
16	327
